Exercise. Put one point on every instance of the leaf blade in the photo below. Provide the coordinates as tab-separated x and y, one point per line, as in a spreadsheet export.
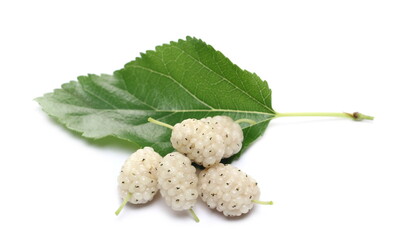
202	75
184	79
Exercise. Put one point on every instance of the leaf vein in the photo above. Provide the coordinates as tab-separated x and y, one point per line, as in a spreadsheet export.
227	80
141	101
175	81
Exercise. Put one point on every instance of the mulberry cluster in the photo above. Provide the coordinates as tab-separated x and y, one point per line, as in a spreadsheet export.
205	141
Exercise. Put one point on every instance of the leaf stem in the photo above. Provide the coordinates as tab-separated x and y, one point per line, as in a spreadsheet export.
126	199
354	116
152	120
194	215
263	202
246	120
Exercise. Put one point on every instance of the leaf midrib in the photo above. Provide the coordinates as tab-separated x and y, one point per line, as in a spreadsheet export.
155	109
172	110
161	110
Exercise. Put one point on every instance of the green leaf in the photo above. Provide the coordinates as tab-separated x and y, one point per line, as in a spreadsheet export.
184	79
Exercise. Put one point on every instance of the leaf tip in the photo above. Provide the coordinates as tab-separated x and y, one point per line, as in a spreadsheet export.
38	99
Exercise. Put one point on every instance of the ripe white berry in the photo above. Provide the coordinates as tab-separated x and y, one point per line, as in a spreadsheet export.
228	189
230	131
208	140
138	176
177	181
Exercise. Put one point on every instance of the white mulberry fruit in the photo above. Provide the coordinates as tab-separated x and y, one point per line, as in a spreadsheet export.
230	131
208	140
138	177
178	182
228	189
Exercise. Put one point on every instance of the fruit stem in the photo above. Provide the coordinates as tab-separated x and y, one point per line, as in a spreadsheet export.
246	120
194	215
152	120
354	116
263	202
126	199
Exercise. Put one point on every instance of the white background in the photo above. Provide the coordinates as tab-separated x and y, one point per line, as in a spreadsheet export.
329	178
